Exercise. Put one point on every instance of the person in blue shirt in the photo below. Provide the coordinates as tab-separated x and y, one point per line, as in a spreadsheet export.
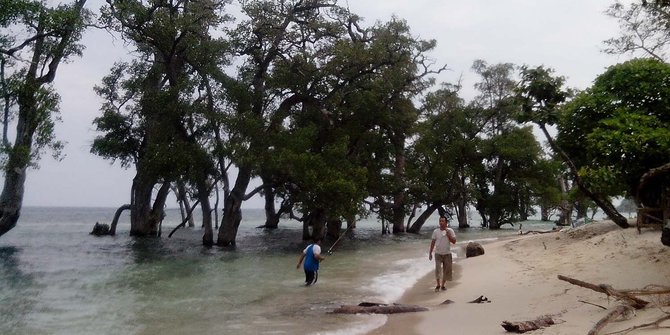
312	257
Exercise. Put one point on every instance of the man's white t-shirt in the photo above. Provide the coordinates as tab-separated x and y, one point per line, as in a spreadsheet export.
441	237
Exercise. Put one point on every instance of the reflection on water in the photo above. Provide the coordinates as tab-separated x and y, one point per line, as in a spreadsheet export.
55	278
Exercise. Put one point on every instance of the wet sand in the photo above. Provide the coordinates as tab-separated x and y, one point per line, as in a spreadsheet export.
519	277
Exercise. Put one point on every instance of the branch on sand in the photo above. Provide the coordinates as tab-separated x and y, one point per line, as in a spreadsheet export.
630	302
656	325
520	327
628	298
618	312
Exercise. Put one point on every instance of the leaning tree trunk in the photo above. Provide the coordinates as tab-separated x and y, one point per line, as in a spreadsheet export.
117	215
18	160
599	199
11	199
421	220
184	204
232	209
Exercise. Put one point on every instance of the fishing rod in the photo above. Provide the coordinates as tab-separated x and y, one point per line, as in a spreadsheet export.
330	251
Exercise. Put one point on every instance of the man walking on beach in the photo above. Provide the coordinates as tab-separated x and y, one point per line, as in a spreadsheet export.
441	239
312	256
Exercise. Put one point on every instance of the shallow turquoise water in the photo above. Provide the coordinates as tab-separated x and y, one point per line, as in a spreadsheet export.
55	278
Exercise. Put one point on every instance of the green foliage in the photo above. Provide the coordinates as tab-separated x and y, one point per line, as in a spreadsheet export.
13	11
447	149
325	96
618	129
160	111
122	133
35	38
540	94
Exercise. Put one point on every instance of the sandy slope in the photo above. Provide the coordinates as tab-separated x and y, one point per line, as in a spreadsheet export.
519	276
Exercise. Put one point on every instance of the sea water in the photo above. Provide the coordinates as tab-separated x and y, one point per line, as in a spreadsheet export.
56	278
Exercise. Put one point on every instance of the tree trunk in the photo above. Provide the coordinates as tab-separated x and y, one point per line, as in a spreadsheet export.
544	213
11	199
462	213
271	215
18	156
333	228
399	214
399	195
145	217
317	220
203	198
565	219
182	198
232	209
115	221
421	220
494	222
523	205
600	200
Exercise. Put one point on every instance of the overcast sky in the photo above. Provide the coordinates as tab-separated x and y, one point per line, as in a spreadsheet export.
565	35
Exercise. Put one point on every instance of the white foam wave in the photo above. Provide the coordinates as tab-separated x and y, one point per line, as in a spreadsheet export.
389	286
364	325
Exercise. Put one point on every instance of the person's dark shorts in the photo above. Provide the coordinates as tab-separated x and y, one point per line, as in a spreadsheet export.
311	277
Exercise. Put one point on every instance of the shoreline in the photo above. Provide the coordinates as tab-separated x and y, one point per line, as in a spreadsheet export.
519	276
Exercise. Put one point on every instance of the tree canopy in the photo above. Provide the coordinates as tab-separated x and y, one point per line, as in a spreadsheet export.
618	129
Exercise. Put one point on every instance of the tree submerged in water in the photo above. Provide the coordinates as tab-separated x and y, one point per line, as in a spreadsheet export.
34	41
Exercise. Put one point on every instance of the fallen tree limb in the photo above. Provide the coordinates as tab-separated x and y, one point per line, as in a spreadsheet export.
649	290
375	308
612	315
526	326
656	324
636	302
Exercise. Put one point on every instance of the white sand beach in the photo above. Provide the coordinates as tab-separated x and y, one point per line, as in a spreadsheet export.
519	277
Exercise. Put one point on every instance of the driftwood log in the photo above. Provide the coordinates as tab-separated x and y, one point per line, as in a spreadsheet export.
526	326
630	299
376	308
